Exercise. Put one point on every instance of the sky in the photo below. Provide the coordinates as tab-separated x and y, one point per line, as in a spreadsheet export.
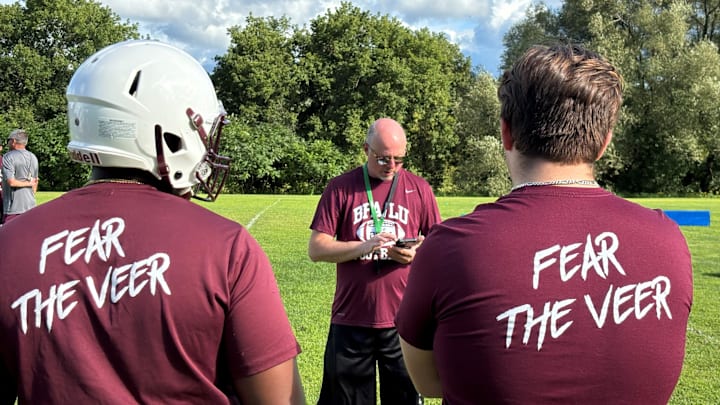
200	26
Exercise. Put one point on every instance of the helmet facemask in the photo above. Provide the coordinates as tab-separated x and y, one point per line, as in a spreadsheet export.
212	172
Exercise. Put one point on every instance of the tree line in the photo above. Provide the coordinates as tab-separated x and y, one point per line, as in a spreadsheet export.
300	99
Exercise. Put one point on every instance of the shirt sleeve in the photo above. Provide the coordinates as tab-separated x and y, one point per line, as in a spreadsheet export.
327	213
415	319
432	213
8	169
258	335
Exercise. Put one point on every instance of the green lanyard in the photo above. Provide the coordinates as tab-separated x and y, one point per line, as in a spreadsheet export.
378	219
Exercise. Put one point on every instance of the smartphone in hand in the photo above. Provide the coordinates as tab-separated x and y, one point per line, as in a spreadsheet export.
406	243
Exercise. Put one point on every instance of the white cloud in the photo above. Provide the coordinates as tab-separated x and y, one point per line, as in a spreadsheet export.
200	26
505	13
442	10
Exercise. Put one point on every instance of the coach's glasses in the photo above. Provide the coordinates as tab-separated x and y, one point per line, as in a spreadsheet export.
385	160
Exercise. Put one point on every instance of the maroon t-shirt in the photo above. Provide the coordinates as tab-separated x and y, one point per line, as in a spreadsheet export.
366	296
552	295
119	293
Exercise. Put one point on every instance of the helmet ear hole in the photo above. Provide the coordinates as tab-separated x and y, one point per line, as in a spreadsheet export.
135	84
173	142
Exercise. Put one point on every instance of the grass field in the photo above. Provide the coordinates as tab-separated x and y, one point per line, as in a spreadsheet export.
280	224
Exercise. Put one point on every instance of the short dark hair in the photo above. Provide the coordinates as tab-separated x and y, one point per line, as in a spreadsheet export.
560	102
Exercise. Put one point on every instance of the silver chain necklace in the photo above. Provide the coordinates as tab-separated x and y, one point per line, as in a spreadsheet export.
556	183
118	181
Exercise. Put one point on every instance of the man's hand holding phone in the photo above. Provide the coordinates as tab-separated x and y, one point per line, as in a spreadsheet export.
406	243
404	249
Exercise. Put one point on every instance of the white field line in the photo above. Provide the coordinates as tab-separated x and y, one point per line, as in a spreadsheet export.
707	337
259	214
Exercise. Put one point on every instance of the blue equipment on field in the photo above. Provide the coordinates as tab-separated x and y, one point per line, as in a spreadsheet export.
690	217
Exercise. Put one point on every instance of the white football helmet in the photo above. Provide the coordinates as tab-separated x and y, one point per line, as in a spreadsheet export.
150	106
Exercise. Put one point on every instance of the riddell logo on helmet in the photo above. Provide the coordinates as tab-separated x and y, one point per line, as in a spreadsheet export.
85	157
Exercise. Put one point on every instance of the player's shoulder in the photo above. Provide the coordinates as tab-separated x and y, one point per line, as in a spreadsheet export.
11	154
204	215
415	181
346	180
347	175
410	176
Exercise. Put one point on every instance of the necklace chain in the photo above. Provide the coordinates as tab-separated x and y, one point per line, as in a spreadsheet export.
118	181
556	183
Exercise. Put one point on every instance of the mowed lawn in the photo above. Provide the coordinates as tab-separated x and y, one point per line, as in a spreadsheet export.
280	224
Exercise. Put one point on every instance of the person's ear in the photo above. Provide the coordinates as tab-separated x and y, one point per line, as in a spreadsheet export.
506	135
605	145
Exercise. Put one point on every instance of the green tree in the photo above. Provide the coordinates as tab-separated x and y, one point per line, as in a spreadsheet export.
360	67
540	26
663	148
705	21
270	158
257	78
480	167
663	50
308	166
48	141
41	44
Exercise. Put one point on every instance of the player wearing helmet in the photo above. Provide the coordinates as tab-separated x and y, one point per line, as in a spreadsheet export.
122	292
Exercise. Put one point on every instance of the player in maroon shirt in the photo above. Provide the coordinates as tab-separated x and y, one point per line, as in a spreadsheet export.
559	292
124	291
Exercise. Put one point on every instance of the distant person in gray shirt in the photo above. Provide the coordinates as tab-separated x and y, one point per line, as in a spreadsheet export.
19	176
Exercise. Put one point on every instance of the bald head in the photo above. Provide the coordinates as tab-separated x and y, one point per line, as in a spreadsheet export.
385	146
388	129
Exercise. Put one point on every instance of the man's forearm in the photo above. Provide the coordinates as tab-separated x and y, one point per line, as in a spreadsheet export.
423	372
336	251
21	183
